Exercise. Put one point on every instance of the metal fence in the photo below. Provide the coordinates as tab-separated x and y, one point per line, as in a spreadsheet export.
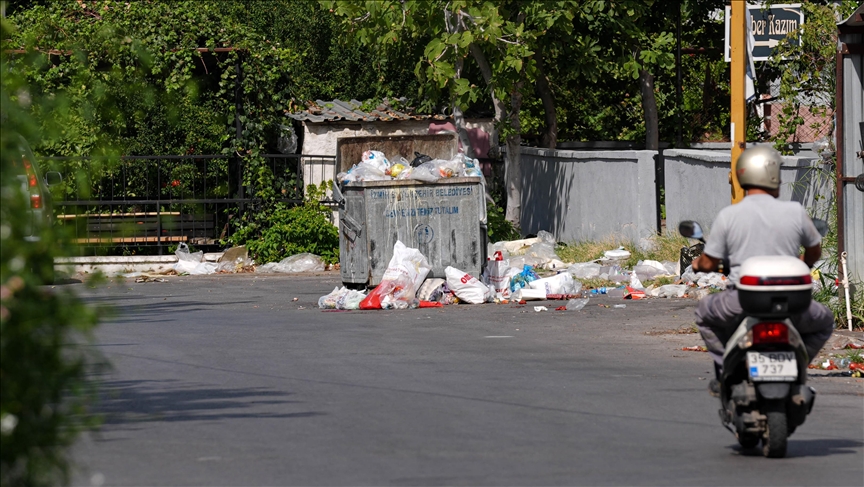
136	202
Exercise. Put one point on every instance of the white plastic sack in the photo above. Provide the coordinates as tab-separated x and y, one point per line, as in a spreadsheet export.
712	279
186	261
425	172
670	291
304	262
499	279
466	287
405	274
364	172
635	283
559	284
204	268
585	270
343	298
376	159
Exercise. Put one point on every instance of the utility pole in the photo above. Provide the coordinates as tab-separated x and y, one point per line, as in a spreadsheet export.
738	108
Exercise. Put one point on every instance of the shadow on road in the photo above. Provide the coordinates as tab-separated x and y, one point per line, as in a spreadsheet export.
128	402
809	448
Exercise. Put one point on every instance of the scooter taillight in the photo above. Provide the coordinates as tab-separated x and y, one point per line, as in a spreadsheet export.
770	333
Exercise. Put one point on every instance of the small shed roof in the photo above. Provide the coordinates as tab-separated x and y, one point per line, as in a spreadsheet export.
337	110
854	20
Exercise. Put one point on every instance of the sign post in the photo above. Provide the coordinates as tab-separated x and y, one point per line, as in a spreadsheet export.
738	109
768	26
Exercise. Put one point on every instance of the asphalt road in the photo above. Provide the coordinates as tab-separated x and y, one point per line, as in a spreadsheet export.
228	381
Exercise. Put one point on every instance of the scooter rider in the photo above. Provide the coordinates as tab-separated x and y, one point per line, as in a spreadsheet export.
759	225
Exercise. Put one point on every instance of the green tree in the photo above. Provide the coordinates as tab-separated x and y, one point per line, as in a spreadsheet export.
44	332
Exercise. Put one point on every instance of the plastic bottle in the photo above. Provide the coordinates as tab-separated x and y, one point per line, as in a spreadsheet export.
842	363
601	290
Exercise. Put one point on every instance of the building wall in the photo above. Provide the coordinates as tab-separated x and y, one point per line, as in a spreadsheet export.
697	184
589	195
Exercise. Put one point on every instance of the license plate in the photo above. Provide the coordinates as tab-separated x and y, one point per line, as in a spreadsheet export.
772	366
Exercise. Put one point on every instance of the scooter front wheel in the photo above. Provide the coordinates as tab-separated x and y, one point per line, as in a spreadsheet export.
776	435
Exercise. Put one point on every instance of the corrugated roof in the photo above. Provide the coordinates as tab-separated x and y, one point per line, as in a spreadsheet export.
336	110
856	19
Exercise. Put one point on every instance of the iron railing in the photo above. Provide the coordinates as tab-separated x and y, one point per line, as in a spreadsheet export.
146	201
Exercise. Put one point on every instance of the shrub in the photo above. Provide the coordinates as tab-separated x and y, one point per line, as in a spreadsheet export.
303	228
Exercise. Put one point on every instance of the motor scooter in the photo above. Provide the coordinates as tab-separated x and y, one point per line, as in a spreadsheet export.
763	385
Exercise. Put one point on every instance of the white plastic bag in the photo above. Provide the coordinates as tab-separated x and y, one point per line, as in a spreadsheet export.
499	278
425	172
559	284
365	172
405	274
466	287
585	270
376	159
670	291
343	298
304	262
187	261
204	268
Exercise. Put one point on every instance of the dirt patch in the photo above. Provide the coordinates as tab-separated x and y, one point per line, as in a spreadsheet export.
683	330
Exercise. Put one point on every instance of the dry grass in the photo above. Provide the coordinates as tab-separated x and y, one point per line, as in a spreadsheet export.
667	248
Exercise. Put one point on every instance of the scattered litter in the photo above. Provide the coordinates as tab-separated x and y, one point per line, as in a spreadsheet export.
432	289
298	263
343	299
576	304
187	261
497	275
522	295
695	348
561	308
619	306
562	283
670	291
407	270
235	259
466	287
522	278
631	293
540	308
295	299
146	278
585	270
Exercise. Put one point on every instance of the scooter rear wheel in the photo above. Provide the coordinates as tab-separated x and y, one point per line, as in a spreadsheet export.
748	441
774	440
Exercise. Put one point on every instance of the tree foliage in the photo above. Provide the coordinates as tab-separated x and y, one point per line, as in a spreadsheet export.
44	332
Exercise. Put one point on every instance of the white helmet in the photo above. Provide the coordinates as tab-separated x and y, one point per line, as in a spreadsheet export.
759	167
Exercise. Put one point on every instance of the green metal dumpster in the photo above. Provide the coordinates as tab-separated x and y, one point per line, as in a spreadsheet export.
445	220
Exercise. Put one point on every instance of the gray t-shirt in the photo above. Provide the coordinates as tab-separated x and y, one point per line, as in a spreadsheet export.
760	225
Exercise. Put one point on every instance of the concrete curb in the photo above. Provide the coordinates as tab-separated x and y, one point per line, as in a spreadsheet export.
118	264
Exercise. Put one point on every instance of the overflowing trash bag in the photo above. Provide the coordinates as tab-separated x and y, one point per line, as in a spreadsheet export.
192	263
343	298
467	287
406	272
304	262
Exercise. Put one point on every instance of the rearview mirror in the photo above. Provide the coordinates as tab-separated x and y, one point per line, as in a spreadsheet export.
821	226
690	229
52	178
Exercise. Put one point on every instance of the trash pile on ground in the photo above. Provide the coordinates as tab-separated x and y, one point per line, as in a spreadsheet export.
511	276
236	260
375	166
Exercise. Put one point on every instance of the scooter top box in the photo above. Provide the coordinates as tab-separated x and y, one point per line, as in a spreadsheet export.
774	285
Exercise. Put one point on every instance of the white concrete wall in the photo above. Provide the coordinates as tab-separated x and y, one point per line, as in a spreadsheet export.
589	195
697	184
